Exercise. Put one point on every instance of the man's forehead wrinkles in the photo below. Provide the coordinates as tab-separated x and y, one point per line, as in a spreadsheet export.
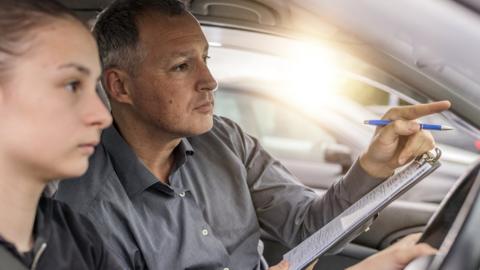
171	35
178	33
177	42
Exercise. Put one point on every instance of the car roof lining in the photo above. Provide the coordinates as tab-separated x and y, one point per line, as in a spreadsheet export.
276	18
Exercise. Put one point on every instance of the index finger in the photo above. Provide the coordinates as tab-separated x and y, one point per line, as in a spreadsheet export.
412	112
410	239
407	255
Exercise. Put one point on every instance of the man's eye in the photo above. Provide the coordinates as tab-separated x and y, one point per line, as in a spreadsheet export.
72	86
181	67
205	59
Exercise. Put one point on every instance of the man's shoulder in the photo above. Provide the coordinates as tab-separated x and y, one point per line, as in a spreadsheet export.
224	130
79	193
224	135
73	234
61	214
221	123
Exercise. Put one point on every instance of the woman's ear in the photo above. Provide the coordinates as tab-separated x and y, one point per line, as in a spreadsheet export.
117	85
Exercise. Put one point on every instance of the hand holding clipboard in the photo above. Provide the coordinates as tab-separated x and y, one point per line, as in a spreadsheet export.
341	229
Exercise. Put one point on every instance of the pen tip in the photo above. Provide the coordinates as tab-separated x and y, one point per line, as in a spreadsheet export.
447	128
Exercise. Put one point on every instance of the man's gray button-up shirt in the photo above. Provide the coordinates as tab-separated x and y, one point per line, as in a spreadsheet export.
223	189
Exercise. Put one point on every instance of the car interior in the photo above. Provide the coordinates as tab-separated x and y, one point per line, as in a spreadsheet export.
400	57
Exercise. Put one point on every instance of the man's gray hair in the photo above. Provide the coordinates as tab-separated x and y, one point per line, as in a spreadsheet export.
116	30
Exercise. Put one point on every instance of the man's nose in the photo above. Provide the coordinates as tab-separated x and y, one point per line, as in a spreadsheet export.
207	81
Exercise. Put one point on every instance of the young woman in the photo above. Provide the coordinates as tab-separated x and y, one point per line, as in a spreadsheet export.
50	122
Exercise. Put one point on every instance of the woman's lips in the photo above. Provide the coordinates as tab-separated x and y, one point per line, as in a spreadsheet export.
88	148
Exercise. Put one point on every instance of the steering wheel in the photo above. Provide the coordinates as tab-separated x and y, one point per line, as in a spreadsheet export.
448	212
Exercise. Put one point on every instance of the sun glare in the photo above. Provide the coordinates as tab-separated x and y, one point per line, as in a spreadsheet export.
314	76
306	75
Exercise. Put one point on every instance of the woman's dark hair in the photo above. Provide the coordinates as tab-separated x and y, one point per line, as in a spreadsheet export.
18	18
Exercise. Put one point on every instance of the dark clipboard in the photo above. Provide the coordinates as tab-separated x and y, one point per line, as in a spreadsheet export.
350	223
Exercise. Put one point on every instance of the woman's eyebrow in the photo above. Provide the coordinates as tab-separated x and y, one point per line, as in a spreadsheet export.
76	66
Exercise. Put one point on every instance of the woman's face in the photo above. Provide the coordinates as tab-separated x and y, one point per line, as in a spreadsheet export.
50	113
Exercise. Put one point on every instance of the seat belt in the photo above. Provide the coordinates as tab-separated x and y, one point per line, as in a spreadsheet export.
9	262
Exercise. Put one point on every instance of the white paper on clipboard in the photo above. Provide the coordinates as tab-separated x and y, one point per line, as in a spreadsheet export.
339	228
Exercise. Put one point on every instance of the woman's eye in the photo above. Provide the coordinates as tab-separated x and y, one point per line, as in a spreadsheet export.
72	86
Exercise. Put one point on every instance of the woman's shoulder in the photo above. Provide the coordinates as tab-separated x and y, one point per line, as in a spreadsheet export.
62	219
69	234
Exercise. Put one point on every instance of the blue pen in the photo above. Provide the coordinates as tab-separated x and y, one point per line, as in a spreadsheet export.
422	125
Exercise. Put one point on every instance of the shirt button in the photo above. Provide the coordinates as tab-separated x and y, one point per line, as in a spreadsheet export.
205	232
181	194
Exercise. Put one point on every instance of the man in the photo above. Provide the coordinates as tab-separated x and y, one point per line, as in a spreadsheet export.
173	187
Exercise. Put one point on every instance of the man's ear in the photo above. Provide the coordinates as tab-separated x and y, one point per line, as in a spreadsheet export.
2	94
117	85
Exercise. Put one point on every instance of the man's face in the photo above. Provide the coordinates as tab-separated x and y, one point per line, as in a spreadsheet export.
173	89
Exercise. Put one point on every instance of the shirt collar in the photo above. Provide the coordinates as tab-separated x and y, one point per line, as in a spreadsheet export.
132	173
41	229
182	152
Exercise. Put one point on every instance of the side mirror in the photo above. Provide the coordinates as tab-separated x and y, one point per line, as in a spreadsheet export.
339	154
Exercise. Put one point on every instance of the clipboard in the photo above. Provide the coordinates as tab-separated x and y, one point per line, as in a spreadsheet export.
345	227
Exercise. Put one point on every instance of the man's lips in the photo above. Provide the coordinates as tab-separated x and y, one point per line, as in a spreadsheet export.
205	107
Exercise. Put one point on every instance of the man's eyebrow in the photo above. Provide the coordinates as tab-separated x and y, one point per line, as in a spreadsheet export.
76	66
185	53
188	53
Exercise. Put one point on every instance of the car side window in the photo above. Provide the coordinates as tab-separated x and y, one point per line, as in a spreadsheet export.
283	132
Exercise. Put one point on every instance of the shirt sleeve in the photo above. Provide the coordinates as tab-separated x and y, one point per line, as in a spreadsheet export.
287	210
